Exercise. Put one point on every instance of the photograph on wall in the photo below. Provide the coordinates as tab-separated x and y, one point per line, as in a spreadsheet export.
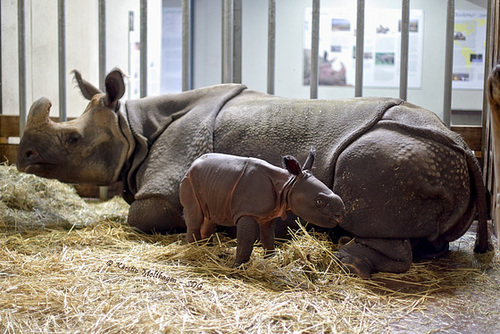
382	47
469	48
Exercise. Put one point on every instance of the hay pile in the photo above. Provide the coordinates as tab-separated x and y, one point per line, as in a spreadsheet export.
71	266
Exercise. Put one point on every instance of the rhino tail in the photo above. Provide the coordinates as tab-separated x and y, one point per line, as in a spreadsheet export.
483	239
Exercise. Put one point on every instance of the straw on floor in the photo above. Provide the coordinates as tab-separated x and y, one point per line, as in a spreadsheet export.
69	265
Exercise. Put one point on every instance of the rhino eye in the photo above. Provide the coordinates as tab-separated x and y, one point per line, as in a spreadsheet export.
72	140
320	202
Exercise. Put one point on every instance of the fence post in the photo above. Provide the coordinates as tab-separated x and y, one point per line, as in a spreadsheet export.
186	44
405	32
61	32
271	45
360	36
448	56
144	48
21	45
314	50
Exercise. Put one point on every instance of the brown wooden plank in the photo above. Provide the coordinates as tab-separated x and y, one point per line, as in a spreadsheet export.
472	134
9	125
8	153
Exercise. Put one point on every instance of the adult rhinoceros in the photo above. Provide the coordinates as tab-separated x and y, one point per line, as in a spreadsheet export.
410	185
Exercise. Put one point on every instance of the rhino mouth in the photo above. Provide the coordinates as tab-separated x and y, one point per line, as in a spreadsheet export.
40	169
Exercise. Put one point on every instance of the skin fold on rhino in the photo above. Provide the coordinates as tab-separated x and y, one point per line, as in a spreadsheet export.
410	185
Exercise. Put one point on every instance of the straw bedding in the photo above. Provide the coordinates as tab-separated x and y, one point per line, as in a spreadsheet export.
69	265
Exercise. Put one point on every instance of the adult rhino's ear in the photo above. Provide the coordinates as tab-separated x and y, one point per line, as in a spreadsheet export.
115	87
39	112
291	165
308	164
87	89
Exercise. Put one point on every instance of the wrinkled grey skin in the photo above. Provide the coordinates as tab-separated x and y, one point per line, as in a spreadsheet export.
410	185
222	189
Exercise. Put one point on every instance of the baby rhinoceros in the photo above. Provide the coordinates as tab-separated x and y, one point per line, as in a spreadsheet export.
221	189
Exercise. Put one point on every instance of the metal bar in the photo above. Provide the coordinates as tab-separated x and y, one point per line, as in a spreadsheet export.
1	86
227	28
314	50
360	36
144	49
271	45
21	45
102	43
186	45
62	59
448	56
237	41
103	191
405	35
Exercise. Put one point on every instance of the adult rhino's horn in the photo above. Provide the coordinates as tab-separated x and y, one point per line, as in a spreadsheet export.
87	89
39	111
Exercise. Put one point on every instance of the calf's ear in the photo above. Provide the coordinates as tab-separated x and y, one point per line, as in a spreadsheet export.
308	164
115	87
87	89
291	165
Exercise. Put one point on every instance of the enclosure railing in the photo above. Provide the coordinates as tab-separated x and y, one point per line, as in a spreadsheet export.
232	51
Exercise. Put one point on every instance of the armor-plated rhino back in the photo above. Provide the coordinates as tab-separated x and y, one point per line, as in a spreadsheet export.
266	127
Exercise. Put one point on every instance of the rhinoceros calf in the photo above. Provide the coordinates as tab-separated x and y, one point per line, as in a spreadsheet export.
410	184
222	189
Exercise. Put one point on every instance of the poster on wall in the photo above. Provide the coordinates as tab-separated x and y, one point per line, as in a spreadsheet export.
382	47
469	47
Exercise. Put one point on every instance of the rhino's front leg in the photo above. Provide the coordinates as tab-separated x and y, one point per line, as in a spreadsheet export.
155	214
366	256
247	232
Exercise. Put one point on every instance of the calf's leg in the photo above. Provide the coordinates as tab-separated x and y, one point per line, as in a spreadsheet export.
247	232
267	237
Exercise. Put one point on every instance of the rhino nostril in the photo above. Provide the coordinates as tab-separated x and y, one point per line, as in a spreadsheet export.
31	154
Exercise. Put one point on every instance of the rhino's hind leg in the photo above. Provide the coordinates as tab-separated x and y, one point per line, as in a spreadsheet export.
267	231
366	256
155	215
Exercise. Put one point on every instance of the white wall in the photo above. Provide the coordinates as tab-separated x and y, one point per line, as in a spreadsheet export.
289	45
82	48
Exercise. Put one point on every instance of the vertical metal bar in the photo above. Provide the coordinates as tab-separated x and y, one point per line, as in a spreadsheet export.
62	60
271	45
227	28
405	35
186	45
102	43
103	191
1	86
448	56
21	45
237	41
360	36
314	50
144	48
